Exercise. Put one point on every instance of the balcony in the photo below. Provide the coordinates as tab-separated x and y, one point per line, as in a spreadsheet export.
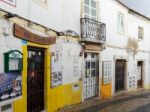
92	31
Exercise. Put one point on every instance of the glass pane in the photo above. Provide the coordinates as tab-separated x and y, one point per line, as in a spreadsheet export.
87	65
86	9
94	18
93	3
93	64
93	74
86	2
93	12
86	16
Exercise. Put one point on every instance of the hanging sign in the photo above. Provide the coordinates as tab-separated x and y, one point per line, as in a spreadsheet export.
10	86
24	34
13	61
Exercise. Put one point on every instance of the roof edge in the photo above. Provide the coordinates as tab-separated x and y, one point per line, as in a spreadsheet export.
132	10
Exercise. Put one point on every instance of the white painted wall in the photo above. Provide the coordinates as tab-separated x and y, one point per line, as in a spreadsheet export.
7	43
60	15
116	42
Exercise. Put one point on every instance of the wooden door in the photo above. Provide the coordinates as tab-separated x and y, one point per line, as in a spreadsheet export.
35	80
119	75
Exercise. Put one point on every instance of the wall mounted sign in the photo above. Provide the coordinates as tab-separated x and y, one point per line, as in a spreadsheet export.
107	72
10	2
10	86
13	61
23	33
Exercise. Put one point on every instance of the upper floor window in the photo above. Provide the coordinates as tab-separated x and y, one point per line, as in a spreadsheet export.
121	24
42	3
90	9
140	32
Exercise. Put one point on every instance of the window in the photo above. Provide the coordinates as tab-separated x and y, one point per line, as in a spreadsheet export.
90	9
121	23
140	32
42	3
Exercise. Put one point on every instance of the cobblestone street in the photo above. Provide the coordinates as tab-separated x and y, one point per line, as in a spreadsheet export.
126	102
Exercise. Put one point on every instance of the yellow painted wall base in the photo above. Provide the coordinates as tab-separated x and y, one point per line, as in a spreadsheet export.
63	96
106	90
55	98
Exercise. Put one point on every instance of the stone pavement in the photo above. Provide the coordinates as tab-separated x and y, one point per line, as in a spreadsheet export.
138	101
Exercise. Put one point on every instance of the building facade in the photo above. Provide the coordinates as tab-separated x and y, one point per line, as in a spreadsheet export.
59	53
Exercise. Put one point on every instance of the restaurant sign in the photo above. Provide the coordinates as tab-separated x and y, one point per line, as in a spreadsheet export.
24	34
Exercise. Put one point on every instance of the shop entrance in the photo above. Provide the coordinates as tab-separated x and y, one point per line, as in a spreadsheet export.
139	74
120	75
91	77
35	80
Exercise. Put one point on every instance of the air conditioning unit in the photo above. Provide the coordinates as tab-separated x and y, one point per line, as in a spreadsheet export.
6	108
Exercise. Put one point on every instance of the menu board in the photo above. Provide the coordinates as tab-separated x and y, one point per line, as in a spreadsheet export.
13	64
107	72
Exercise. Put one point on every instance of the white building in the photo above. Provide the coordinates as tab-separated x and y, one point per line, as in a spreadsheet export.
101	49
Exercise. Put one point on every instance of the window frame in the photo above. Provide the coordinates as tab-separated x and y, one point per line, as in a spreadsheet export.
140	32
90	7
120	18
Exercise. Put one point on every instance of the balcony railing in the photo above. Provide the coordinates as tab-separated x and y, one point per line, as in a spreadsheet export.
93	31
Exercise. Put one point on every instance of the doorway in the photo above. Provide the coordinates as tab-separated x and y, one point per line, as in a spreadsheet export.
120	75
140	74
35	79
91	77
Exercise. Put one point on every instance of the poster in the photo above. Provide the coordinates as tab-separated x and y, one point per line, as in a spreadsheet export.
10	86
10	2
56	62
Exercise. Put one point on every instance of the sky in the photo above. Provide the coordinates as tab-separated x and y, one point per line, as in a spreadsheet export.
141	6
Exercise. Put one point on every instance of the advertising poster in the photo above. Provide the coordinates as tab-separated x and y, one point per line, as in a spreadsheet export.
56	77
10	86
10	2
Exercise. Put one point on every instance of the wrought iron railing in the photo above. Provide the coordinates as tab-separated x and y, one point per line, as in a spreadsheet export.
93	30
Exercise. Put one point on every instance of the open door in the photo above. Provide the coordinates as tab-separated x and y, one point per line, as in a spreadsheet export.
139	74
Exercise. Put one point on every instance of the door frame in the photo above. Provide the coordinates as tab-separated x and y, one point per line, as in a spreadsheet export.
143	73
83	71
126	59
124	78
46	69
31	48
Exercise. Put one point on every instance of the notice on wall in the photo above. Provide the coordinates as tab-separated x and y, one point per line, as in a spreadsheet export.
107	72
56	70
10	86
10	2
